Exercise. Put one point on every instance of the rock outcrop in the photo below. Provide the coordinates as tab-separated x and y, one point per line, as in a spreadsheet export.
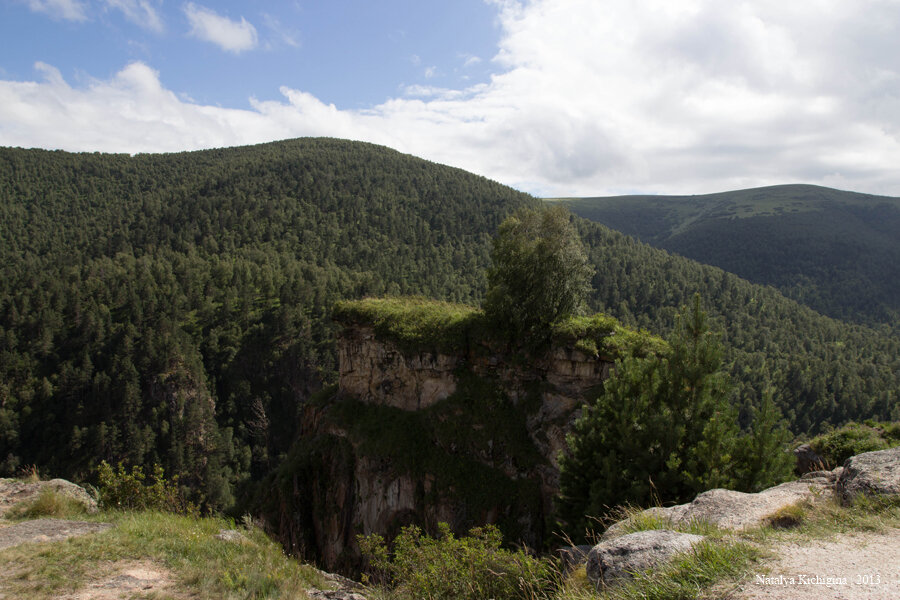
870	474
620	558
729	509
621	554
15	491
380	372
46	530
481	436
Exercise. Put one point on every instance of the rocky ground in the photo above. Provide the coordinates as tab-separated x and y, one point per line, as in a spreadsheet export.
853	565
850	565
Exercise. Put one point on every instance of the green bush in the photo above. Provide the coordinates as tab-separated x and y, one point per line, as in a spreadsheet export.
835	447
126	490
473	567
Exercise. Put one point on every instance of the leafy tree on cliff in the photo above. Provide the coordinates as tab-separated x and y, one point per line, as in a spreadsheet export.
540	273
663	430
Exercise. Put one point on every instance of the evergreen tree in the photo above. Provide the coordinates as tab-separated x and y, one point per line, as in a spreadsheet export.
663	430
763	453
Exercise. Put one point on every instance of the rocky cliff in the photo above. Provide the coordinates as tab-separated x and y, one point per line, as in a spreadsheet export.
465	433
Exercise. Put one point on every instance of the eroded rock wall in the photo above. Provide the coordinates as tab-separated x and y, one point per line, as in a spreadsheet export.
486	463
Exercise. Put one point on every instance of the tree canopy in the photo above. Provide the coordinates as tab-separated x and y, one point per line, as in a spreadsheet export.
664	430
540	272
176	309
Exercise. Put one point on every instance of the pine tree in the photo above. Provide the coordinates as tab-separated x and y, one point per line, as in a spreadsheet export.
663	430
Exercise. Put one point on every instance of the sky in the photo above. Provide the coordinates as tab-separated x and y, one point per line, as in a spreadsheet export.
552	97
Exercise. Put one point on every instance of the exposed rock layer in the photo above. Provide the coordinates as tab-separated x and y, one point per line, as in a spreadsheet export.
502	468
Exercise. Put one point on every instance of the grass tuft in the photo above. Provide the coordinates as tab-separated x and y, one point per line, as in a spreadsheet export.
48	503
631	519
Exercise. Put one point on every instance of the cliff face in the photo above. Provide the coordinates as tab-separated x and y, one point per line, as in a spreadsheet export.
378	372
422	437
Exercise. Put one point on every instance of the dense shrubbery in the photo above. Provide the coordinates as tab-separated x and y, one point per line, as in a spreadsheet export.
131	490
836	446
473	567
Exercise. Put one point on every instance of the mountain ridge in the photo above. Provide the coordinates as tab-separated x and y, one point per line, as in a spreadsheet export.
176	308
835	251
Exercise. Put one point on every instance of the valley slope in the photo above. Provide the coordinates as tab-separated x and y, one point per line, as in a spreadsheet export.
177	308
835	251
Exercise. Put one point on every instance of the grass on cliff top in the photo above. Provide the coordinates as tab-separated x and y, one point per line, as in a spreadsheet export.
201	566
414	323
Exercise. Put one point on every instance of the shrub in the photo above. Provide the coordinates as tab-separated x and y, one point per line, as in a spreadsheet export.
49	503
473	567
838	445
126	490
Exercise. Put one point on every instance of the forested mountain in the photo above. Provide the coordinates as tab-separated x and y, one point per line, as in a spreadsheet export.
837	252
176	308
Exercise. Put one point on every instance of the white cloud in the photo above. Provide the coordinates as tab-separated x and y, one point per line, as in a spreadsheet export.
232	36
139	12
470	60
69	10
668	96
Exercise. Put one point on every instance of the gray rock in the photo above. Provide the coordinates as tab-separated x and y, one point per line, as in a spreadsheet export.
612	560
46	530
231	535
314	594
15	491
871	474
738	510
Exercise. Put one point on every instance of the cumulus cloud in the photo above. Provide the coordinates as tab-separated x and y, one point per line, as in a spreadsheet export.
667	96
69	10
139	12
232	36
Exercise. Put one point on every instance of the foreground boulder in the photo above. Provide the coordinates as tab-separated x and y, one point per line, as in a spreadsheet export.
620	558
728	509
15	491
870	474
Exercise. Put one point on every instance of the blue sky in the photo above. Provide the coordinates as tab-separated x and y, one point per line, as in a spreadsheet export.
346	52
554	97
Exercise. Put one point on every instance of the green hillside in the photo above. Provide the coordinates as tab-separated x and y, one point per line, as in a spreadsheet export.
837	252
176	308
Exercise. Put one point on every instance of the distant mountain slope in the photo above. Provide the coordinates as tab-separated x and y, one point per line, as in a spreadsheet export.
176	308
837	252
